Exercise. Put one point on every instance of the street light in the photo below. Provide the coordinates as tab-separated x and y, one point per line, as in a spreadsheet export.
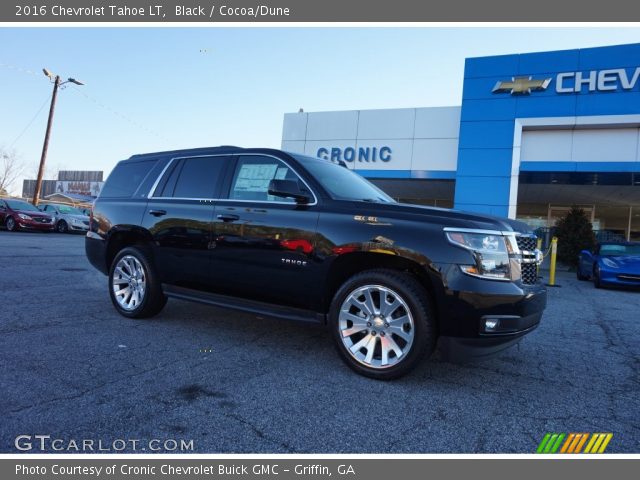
55	79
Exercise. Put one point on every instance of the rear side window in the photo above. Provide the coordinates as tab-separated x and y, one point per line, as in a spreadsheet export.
196	177
125	179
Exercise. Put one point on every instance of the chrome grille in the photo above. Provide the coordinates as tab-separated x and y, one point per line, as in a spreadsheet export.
527	245
529	273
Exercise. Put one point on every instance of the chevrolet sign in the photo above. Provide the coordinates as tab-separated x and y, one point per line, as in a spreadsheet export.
573	82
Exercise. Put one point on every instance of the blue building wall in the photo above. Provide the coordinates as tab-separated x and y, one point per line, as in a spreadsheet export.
485	177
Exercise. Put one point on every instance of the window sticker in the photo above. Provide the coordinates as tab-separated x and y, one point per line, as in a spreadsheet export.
255	177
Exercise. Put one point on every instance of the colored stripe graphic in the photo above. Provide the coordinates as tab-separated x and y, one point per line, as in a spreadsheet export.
556	445
581	443
606	442
570	439
598	442
592	440
544	441
550	443
573	442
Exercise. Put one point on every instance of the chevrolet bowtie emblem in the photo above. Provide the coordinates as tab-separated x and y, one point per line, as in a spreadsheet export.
521	85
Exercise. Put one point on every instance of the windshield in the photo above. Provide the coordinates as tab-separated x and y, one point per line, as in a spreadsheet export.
620	250
21	205
342	183
66	209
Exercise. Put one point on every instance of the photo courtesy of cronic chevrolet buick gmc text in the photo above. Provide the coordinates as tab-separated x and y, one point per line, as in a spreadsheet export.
286	235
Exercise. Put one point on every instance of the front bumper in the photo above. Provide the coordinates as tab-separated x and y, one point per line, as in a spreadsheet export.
613	277
78	228
34	225
467	303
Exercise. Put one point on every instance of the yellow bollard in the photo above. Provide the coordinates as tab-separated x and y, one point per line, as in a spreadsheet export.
539	247
552	265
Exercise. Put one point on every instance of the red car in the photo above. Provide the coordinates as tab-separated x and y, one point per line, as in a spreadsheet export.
20	215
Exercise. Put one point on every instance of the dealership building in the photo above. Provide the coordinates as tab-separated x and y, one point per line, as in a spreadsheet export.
536	133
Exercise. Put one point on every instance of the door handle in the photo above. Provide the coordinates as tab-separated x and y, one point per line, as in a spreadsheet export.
228	217
158	213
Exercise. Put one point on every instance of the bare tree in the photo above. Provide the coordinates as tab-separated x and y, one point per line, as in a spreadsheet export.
11	168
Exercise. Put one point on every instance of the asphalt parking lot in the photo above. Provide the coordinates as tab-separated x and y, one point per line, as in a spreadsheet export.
74	369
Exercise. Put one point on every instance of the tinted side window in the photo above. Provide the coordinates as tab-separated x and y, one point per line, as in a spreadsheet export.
125	179
252	176
168	182
196	177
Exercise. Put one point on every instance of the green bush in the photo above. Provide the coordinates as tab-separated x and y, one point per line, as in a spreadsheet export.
575	233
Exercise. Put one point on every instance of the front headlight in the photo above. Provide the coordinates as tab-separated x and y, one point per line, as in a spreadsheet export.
24	217
490	252
609	263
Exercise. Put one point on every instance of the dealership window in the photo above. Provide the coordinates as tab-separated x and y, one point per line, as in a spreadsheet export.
634	224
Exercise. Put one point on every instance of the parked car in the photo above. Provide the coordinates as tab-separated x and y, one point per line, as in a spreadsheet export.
611	263
67	218
286	235
20	215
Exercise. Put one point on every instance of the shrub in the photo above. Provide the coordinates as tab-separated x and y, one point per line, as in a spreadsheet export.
575	233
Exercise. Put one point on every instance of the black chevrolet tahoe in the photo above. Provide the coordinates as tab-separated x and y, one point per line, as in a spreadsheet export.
286	235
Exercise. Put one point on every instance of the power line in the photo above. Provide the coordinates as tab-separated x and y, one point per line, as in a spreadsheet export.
121	115
87	97
46	100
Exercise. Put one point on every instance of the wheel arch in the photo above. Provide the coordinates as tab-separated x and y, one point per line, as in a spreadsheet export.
123	237
348	265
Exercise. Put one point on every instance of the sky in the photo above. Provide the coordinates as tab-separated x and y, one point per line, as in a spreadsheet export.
151	89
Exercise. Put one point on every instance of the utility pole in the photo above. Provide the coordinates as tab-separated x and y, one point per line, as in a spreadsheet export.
45	147
56	84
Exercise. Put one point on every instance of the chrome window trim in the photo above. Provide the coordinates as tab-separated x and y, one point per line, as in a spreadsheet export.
155	184
271	202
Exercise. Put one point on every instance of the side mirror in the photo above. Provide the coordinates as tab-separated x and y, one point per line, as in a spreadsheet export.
586	254
288	189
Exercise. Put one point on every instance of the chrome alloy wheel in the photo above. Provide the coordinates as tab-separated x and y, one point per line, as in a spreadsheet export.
376	326
129	282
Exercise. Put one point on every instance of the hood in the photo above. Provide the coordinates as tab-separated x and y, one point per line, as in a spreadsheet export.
448	217
82	218
31	213
628	262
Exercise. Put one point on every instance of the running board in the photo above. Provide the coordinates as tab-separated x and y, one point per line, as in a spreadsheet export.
244	305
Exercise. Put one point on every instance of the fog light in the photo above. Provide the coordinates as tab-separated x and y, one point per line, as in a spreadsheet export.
491	324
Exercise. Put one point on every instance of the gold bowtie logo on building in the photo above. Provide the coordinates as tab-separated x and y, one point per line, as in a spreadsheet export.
521	85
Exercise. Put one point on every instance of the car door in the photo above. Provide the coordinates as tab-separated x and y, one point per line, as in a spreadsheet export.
51	210
587	262
3	211
264	245
179	217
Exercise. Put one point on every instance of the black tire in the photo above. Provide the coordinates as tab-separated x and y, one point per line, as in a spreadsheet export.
62	227
419	305
596	278
580	276
11	224
153	300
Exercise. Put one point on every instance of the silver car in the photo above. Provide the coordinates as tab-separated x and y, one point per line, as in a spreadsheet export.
67	218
